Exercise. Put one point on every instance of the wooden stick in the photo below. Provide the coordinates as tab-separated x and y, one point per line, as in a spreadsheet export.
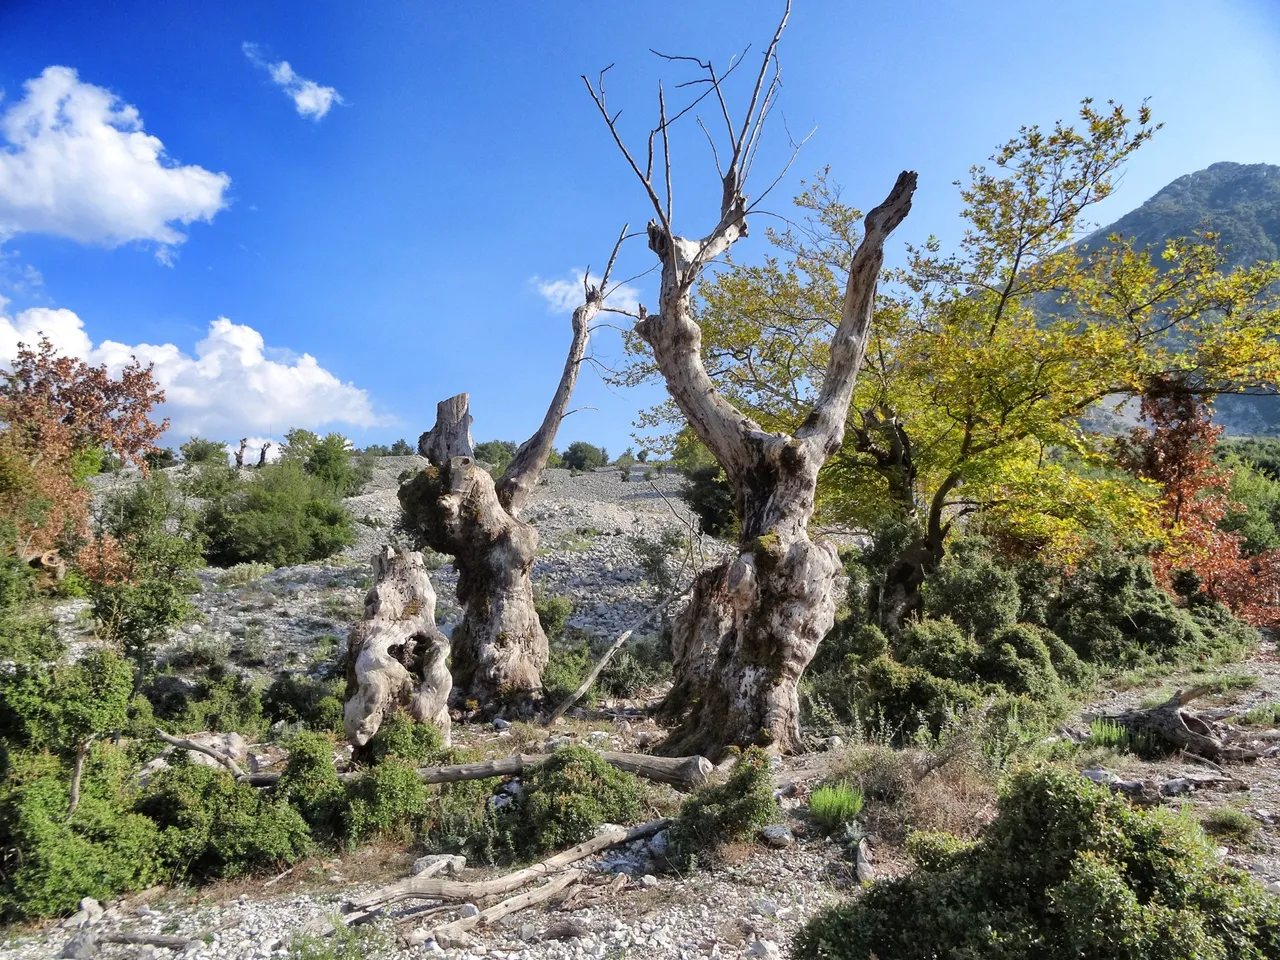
222	758
436	888
450	931
684	773
574	697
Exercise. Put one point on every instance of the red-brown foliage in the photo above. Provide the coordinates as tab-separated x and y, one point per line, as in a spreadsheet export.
52	410
1177	453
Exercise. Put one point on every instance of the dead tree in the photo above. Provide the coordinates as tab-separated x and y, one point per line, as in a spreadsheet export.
753	623
456	507
396	658
262	454
244	443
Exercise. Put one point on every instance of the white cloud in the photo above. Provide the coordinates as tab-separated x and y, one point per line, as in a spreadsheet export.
311	99
76	163
228	389
565	296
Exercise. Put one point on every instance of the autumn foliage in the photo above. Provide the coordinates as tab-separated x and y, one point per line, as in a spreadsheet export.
58	415
1198	557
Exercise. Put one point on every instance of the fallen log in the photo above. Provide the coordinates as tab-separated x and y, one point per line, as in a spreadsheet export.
1183	729
449	932
435	888
683	773
217	755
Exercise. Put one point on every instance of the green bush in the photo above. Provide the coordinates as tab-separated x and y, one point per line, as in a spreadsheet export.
329	459
62	706
284	516
567	798
344	943
198	450
221	702
565	670
1017	659
160	544
707	492
1254	510
311	786
402	738
1112	612
725	813
908	698
387	801
580	455
834	805
554	612
974	589
213	826
295	698
496	454
49	861
935	851
1066	870
941	647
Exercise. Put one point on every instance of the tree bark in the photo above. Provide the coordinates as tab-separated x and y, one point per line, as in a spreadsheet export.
396	658
499	649
451	436
755	622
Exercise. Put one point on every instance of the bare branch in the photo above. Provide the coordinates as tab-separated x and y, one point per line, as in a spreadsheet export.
824	427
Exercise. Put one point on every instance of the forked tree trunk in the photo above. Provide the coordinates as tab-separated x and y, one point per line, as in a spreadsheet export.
753	624
396	658
499	649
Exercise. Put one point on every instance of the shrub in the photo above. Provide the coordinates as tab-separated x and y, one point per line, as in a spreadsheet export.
580	455
311	786
61	707
567	798
49	861
834	805
1017	659
285	516
729	812
496	454
565	671
553	613
908	698
386	801
1112	612
198	450
1230	824
1066	870
295	698
655	555
972	588
939	646
213	826
149	586
403	738
934	850
243	573
221	703
330	459
707	492
344	943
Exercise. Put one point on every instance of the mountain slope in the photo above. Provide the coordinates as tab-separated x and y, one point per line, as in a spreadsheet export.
1241	203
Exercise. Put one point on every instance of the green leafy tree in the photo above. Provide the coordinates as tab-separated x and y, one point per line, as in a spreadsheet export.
330	459
285	516
496	454
199	450
581	455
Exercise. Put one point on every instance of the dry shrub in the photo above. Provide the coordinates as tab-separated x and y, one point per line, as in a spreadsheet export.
952	789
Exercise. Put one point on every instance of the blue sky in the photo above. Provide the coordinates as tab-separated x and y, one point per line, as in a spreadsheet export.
393	220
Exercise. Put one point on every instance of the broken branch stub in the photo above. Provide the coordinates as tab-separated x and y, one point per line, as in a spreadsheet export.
451	436
396	657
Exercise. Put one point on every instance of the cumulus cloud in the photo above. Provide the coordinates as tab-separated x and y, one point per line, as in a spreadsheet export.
565	295
232	386
76	163
310	98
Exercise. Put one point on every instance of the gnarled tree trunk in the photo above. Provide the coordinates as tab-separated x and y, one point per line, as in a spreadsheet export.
499	649
753	624
396	658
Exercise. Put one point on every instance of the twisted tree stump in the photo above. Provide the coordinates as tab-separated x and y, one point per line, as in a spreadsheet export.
396	658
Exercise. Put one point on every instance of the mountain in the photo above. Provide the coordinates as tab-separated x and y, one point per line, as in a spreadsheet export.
1241	203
